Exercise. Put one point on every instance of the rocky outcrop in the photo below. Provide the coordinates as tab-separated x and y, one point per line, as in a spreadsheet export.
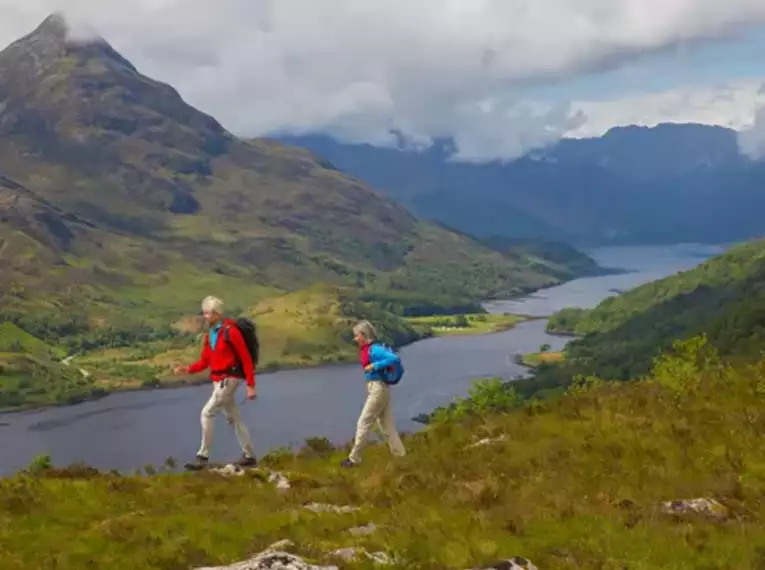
516	563
272	560
276	558
364	530
280	480
487	441
707	508
352	554
324	508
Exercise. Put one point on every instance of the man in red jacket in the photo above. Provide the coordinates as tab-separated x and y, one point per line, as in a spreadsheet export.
225	354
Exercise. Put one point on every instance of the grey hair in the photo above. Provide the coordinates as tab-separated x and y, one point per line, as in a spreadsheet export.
365	329
212	304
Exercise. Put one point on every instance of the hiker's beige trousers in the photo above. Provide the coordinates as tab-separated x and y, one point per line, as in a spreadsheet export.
377	409
223	400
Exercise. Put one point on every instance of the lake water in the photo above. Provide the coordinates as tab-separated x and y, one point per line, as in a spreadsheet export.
130	430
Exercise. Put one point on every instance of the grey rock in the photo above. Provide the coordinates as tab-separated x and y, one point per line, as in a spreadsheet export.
324	508
706	507
515	563
487	441
281	545
272	560
229	470
351	554
280	480
364	530
348	554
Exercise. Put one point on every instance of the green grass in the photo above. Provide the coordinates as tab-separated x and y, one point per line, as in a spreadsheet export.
534	359
14	339
570	484
466	324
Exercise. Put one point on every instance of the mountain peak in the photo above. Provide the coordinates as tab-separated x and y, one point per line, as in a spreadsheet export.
54	26
54	41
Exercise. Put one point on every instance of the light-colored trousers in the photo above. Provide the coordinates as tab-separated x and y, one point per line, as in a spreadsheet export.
377	409
223	400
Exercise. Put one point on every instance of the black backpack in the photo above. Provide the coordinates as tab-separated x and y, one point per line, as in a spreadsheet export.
250	334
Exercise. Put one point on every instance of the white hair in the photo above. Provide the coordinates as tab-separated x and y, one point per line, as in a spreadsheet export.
212	304
365	329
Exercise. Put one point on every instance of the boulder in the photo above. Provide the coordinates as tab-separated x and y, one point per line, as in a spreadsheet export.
324	508
516	563
351	554
709	508
364	530
272	560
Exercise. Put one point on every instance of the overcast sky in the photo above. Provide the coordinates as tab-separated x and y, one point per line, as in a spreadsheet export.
498	76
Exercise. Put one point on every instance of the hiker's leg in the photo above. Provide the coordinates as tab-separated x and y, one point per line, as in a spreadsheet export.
369	414
207	419
388	428
234	417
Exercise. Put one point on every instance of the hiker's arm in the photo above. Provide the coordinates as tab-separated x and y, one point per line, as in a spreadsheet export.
204	359
382	358
243	355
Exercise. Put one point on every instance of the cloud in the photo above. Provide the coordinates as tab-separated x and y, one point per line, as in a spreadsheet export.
751	141
731	105
361	70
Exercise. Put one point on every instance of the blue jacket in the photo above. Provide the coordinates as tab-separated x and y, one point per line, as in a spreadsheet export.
378	356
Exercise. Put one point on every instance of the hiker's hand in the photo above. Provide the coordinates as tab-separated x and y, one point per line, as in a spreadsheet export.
181	370
369	367
251	393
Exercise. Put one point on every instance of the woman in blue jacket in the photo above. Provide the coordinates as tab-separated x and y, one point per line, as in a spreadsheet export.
376	360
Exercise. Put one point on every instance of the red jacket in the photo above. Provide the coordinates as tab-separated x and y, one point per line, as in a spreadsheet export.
224	357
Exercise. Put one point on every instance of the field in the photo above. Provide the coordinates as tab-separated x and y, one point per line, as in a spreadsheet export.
478	323
534	359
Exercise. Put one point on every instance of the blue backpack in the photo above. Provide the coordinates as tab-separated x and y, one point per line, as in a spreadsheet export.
392	374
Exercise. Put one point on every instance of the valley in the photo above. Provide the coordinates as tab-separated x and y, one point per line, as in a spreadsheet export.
580	324
122	207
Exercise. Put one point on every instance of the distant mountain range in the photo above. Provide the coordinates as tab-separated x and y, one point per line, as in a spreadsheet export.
634	185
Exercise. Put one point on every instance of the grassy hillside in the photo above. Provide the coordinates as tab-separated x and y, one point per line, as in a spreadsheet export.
581	482
31	372
723	298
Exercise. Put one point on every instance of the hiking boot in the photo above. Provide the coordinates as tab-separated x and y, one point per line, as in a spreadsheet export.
347	464
246	461
200	462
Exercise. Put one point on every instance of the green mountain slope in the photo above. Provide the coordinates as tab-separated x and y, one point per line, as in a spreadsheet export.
122	206
32	373
723	298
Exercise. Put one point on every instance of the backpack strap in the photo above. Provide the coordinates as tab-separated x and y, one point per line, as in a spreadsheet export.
236	369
